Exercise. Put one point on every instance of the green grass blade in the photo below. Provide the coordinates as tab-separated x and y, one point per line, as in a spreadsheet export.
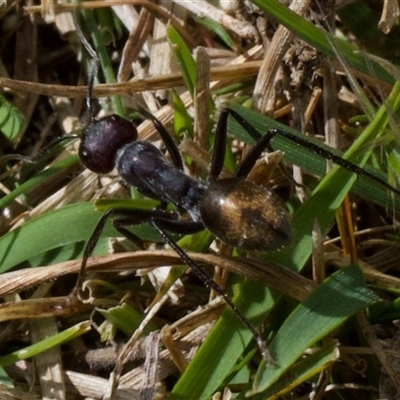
102	53
184	57
321	206
11	120
5	380
217	29
339	297
37	179
69	225
126	318
63	232
305	369
46	344
183	123
224	344
320	39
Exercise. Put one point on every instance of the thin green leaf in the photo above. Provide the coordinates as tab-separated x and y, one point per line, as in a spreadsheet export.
320	206
184	57
302	371
103	205
37	179
63	231
320	39
394	162
46	344
5	380
183	123
69	225
339	297
11	120
106	23
126	318
102	53
224	343
215	27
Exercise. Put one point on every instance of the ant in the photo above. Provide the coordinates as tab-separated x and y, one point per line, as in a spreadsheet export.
235	210
240	213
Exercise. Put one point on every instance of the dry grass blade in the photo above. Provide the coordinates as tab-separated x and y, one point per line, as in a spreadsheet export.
272	275
227	73
150	330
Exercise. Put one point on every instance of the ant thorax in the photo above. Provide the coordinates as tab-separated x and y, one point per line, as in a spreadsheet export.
143	166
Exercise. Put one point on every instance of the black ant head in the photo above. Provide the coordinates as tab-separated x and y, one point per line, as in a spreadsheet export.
101	141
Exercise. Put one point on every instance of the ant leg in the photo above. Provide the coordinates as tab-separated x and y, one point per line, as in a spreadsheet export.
171	224
88	250
316	149
209	282
342	162
262	143
141	216
218	155
244	168
161	221
166	138
130	217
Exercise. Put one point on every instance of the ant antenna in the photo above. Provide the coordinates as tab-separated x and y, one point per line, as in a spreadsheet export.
93	67
16	157
93	70
34	159
53	143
